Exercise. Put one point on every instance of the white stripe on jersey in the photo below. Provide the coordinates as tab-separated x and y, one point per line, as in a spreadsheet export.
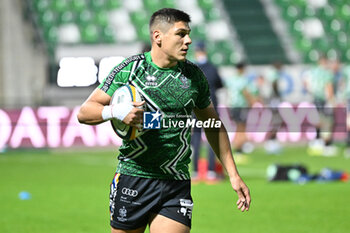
141	147
135	66
158	85
170	166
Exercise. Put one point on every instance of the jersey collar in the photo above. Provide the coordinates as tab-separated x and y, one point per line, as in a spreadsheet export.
171	69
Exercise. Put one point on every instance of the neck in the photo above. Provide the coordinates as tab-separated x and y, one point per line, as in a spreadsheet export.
161	59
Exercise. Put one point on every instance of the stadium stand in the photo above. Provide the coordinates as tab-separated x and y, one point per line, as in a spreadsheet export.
94	22
255	32
314	26
318	27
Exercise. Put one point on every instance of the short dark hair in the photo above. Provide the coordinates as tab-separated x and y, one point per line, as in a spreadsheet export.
240	65
168	15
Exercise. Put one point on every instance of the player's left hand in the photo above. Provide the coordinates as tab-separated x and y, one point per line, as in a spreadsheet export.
244	199
135	117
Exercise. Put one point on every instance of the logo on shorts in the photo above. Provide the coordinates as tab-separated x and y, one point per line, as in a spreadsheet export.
151	120
186	208
122	214
130	192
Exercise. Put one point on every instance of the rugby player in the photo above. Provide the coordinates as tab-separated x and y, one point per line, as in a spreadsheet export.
152	183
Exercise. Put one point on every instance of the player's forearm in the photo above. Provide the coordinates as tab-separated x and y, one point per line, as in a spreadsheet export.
90	113
220	144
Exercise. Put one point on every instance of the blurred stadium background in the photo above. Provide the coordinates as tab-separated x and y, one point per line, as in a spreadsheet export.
53	53
41	33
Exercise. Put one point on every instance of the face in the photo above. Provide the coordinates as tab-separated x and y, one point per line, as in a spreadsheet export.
175	42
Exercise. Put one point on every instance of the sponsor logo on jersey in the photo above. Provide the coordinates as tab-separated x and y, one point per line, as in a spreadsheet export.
185	83
151	80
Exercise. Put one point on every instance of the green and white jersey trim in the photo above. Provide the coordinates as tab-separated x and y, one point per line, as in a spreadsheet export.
141	147
170	166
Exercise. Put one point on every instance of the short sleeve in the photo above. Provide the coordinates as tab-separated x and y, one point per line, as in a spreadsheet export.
116	78
120	74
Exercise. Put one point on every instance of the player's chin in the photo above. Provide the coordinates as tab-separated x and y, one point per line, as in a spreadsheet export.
182	57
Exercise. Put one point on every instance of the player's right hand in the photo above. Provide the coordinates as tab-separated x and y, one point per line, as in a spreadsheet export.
244	199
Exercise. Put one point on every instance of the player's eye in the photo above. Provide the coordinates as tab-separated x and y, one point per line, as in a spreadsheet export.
183	33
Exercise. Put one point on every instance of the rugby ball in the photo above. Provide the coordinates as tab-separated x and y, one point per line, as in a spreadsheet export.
125	94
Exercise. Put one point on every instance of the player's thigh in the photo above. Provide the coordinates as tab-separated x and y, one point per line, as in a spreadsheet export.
139	230
162	224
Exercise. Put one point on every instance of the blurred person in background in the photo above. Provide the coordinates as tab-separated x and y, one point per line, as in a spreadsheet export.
338	72
319	83
215	83
241	95
344	95
152	186
272	98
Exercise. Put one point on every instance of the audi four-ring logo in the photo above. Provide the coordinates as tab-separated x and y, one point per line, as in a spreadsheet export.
130	192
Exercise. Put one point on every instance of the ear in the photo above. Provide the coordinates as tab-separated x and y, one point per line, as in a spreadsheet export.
157	37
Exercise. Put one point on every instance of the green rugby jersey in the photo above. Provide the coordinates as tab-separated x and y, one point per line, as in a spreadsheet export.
320	77
236	85
160	153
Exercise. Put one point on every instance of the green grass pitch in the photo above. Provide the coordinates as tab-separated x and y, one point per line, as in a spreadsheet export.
69	194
